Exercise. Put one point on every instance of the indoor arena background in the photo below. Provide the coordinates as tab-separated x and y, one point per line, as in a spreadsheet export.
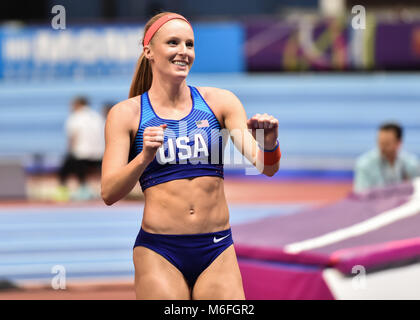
330	71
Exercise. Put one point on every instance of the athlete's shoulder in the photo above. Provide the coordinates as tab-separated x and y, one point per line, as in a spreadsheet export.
219	97
125	109
213	92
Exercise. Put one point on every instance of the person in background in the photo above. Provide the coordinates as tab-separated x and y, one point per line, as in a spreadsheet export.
386	164
86	144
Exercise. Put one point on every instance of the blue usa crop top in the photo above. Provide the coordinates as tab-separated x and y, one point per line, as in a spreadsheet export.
193	146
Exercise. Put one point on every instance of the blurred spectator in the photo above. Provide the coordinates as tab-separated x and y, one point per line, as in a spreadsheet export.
386	164
86	143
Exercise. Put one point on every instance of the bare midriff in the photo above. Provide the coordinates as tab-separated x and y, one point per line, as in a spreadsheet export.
186	206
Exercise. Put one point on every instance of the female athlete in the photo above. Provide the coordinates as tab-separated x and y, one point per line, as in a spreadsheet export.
163	135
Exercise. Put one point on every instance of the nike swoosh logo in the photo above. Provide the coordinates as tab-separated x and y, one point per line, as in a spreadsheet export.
220	239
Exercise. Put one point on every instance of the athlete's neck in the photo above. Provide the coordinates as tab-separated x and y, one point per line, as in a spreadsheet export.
165	93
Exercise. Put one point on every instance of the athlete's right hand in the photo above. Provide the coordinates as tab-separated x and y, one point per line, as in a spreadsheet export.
152	140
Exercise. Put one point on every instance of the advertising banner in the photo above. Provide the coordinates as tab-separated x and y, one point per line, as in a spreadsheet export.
331	45
84	51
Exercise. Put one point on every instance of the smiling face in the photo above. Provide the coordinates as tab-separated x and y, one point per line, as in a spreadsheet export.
171	50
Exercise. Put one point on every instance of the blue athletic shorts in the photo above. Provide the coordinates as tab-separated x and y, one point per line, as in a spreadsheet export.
190	253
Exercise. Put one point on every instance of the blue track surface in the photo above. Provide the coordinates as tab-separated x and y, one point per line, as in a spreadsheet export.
92	243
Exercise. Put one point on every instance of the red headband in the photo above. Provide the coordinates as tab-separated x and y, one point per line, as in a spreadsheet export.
159	23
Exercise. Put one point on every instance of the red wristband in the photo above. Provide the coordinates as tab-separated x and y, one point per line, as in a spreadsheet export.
269	157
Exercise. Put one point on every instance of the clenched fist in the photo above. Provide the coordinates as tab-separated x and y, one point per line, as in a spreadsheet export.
270	126
152	141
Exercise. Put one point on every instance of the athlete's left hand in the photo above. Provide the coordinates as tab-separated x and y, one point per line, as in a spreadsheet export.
270	126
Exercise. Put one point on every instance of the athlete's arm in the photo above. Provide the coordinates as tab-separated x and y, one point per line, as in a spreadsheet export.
235	120
118	176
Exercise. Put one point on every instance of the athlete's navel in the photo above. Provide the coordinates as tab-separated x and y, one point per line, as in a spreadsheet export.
192	211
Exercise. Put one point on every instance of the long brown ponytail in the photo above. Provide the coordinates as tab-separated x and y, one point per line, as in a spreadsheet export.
142	79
